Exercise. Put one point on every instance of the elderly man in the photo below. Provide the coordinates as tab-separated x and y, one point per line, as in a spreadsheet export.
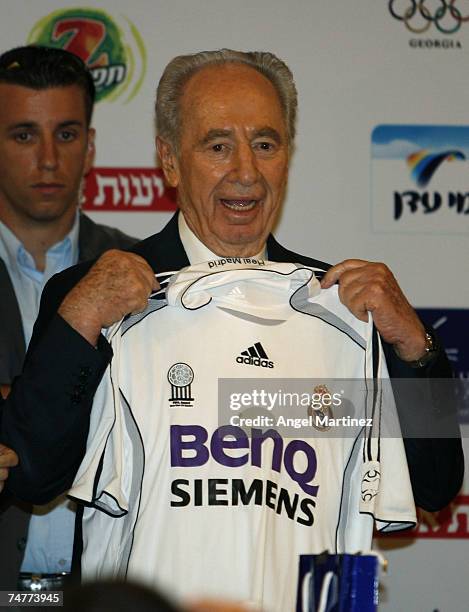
46	147
225	123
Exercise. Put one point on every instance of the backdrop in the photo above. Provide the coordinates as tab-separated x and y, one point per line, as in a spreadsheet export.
380	170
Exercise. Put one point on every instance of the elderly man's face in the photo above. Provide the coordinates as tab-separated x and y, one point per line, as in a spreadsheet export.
231	170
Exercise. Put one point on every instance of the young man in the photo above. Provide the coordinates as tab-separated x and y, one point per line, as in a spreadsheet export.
46	148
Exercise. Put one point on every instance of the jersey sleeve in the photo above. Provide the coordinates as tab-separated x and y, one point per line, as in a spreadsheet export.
386	491
377	486
114	457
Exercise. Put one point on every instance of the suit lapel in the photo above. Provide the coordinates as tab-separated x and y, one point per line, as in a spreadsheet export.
89	240
276	252
12	347
164	251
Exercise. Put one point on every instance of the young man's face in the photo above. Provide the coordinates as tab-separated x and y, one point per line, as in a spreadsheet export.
45	149
232	165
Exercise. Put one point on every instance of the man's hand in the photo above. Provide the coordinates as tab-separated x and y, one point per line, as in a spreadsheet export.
8	459
370	287
5	390
118	283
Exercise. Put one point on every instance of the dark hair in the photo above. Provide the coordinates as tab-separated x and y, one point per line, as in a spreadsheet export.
40	67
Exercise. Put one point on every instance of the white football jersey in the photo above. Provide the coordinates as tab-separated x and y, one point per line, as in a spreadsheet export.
184	491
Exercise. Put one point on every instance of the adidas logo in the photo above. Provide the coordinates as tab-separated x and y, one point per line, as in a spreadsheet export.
237	293
255	355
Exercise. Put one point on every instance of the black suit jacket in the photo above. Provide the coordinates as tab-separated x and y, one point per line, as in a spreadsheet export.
58	398
93	240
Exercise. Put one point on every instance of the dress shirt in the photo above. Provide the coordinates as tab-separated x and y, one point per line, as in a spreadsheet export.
28	282
196	250
51	528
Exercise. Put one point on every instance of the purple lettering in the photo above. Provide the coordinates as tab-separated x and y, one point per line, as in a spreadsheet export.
258	437
196	444
219	443
302	478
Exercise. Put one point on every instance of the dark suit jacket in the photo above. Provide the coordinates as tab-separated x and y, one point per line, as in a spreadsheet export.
93	240
58	398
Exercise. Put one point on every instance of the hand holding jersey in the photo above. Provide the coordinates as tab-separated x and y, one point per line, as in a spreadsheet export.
119	283
365	287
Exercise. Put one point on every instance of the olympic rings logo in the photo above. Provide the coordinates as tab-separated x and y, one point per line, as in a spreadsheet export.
447	10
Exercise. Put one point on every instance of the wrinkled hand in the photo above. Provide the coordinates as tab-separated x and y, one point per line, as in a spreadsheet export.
371	287
8	459
119	283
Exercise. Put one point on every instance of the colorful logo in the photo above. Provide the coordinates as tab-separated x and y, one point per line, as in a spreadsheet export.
423	164
418	16
115	54
419	178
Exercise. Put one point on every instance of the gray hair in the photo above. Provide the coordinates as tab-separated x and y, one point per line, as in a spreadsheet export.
180	69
